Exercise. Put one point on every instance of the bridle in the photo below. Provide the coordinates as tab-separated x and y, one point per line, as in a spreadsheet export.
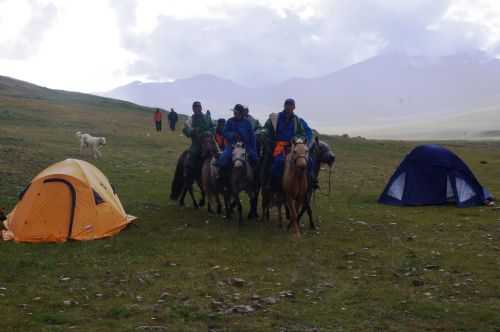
242	159
297	158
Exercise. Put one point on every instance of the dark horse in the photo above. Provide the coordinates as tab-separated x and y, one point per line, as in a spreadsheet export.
241	178
270	196
187	172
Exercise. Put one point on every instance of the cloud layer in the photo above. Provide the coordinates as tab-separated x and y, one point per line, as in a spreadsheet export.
31	36
257	44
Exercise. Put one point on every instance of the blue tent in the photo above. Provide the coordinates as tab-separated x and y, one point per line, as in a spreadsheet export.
433	175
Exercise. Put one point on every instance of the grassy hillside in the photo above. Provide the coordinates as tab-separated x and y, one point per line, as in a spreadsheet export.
368	268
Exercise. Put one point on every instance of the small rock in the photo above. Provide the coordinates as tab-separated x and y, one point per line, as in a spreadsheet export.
417	283
288	294
67	302
238	282
242	309
328	285
255	297
270	300
432	267
164	295
217	304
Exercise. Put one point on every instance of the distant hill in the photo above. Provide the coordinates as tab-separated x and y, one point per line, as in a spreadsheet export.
386	90
14	89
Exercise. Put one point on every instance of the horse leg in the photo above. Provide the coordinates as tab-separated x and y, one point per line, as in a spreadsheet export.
202	200
265	210
280	215
209	203
219	206
183	196
252	214
293	217
227	203
240	208
311	220
191	193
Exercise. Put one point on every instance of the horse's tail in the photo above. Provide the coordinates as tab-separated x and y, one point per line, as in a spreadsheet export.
178	181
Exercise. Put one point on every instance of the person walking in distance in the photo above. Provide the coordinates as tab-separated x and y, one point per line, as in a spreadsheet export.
172	119
157	118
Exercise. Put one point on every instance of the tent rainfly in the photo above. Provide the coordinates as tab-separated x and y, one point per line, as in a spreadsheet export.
71	199
433	175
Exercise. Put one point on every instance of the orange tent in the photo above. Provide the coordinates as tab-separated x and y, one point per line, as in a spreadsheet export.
69	200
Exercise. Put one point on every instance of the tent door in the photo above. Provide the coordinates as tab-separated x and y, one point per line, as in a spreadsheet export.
59	209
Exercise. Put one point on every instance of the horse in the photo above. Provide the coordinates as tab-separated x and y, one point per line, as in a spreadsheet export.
270	196
321	153
187	173
241	178
295	181
212	184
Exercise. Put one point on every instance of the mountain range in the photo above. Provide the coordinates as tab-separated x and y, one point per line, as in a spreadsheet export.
386	91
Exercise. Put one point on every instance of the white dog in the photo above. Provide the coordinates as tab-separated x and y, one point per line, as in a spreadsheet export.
88	141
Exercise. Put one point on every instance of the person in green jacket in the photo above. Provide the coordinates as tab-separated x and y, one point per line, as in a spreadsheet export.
196	126
253	121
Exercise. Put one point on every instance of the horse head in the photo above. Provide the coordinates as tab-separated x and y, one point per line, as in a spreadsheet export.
323	153
300	153
239	155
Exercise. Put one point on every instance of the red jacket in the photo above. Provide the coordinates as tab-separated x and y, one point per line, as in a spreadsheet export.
157	116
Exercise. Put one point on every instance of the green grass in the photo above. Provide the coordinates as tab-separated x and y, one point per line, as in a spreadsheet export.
369	268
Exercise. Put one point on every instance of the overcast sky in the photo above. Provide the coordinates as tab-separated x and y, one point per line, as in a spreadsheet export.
96	45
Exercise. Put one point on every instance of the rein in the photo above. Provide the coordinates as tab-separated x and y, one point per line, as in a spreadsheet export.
330	180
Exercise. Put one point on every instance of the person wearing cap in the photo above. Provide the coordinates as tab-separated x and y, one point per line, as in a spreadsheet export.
253	121
172	119
197	125
281	129
238	129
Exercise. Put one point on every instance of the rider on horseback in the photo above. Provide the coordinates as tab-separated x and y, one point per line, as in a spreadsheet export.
238	129
280	130
253	121
195	127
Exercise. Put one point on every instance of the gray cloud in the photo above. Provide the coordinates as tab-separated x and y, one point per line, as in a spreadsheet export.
29	40
255	45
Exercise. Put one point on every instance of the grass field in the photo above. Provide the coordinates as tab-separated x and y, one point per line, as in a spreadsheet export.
368	268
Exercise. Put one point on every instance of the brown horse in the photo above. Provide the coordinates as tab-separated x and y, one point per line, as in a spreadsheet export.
295	181
211	182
